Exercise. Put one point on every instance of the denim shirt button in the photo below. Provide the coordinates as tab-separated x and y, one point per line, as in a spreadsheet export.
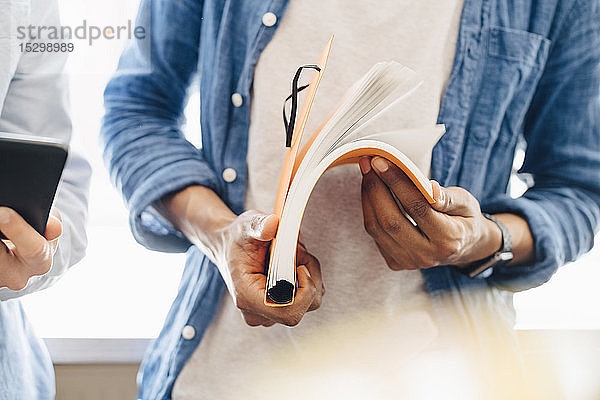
188	332
229	175
237	100
269	19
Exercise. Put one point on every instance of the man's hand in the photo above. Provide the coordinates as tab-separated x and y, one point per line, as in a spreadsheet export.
25	253
452	231
238	245
246	242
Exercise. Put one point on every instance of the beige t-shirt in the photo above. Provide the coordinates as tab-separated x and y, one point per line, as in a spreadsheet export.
421	35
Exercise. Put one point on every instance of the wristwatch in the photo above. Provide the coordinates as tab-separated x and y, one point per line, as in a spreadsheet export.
485	267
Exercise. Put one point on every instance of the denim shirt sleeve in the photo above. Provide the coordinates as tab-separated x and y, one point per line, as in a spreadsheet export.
562	130
144	147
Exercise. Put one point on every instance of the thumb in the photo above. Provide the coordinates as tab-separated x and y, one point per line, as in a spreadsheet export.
53	229
54	226
261	226
454	201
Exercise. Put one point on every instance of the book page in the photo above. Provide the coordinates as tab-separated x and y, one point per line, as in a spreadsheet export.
343	138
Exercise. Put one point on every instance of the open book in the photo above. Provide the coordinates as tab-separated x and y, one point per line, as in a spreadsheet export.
341	139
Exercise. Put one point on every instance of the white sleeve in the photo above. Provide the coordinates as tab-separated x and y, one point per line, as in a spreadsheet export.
37	104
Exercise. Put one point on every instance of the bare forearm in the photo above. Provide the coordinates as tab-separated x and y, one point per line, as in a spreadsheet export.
238	246
200	214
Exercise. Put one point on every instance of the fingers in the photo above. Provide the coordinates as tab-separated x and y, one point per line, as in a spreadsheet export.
314	270
259	226
449	226
12	277
400	243
3	247
254	230
306	295
246	266
54	226
250	299
29	244
53	232
454	201
407	193
383	219
391	261
365	165
374	228
25	253
256	320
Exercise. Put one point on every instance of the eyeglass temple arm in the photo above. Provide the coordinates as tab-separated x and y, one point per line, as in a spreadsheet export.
289	125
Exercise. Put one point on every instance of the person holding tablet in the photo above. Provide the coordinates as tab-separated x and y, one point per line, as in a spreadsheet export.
33	102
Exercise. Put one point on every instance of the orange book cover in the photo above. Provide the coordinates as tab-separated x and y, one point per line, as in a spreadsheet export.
294	156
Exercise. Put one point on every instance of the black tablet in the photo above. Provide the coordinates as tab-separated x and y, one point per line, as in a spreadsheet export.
30	170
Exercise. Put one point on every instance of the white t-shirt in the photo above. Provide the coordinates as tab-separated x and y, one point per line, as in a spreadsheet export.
421	35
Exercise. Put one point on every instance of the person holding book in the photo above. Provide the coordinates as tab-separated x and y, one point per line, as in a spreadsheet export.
498	76
34	102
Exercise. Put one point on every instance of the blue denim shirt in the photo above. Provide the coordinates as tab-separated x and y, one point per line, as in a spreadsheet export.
524	71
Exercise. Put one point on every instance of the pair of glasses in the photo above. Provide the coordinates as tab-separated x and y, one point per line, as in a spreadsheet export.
291	122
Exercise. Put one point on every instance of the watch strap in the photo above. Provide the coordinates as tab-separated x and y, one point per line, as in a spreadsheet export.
507	243
484	268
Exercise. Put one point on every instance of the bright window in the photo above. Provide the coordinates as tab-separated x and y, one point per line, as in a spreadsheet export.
122	290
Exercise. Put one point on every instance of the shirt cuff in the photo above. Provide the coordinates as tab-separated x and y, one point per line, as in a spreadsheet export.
548	254
148	227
